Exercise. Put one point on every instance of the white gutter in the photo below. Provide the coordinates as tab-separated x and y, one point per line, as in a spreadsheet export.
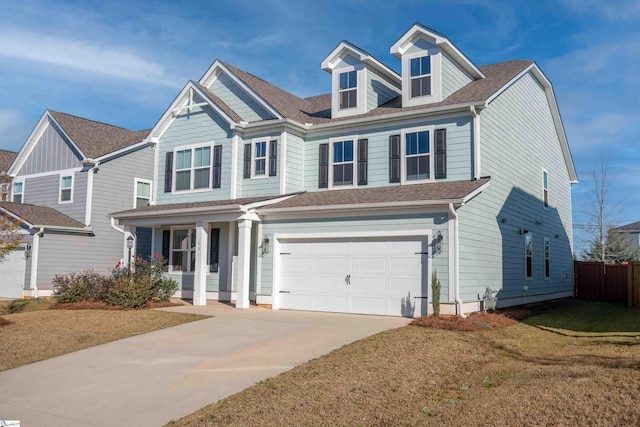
35	249
456	261
477	170
361	206
115	227
86	230
153	143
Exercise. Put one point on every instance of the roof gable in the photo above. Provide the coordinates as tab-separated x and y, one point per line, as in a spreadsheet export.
346	49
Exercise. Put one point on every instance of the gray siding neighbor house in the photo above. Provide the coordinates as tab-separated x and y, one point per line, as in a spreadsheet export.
70	174
350	201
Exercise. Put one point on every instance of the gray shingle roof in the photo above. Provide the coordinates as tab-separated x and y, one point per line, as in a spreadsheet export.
317	109
634	226
6	158
96	139
429	192
41	215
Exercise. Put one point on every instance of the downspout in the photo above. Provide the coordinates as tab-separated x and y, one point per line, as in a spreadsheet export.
35	250
88	207
456	259
121	230
476	143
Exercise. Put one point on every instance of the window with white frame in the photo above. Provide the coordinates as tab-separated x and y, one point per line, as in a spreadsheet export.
547	262
183	250
260	158
193	168
142	195
420	76
348	91
417	152
343	165
18	189
545	188
528	255
66	189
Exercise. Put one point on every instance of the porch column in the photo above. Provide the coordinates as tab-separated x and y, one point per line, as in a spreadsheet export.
200	273
244	261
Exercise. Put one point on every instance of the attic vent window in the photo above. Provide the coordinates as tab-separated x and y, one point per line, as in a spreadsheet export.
348	90
420	76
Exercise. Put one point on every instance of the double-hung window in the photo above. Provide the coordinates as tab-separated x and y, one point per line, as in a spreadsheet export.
547	263
545	188
528	256
420	76
418	155
183	250
66	189
18	188
348	90
343	164
260	158
193	168
143	193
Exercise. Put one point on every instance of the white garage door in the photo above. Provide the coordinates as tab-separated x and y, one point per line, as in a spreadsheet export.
12	270
385	276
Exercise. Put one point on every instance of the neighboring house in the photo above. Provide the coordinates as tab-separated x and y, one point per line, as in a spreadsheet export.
632	232
349	201
70	174
6	158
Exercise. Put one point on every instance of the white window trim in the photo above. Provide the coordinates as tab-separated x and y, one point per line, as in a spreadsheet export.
361	95
403	154
73	184
353	138
436	78
190	229
544	171
411	78
525	256
351	89
135	189
13	190
192	147
267	158
545	258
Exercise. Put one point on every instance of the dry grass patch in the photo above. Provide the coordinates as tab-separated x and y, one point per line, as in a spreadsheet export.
42	334
524	374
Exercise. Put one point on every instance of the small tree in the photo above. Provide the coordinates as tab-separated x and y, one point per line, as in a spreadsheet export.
10	236
435	293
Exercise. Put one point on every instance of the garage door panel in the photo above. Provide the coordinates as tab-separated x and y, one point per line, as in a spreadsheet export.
371	305
12	274
367	265
330	303
369	247
404	265
332	264
297	264
369	285
332	248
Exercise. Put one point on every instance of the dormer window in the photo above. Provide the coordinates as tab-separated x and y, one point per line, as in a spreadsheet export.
421	76
348	90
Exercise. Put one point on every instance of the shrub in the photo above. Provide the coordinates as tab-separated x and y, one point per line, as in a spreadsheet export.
164	289
75	287
435	293
129	293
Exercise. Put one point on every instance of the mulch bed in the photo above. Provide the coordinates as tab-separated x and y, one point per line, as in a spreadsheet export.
96	305
478	321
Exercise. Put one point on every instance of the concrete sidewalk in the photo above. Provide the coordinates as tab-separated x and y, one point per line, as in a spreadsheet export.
151	379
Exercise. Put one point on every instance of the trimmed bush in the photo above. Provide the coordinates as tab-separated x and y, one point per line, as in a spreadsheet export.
75	287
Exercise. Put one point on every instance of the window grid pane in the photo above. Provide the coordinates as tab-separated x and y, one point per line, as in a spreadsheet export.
183	159
65	195
202	157
183	180
66	182
143	189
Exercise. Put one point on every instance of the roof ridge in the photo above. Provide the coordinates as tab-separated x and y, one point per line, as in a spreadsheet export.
95	121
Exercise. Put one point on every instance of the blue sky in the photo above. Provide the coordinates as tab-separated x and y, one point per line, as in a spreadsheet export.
124	62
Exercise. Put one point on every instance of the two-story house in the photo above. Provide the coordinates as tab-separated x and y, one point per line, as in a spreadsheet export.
349	201
69	175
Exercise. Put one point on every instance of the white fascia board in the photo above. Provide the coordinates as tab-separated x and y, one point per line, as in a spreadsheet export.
204	96
206	80
181	220
403	43
180	211
85	230
329	63
256	205
537	73
475	192
363	206
84	156
16	217
117	153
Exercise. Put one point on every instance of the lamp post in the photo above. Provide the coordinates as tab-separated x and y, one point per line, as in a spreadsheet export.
130	246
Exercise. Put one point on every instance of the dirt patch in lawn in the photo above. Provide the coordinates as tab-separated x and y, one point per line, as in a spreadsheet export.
511	376
474	322
42	334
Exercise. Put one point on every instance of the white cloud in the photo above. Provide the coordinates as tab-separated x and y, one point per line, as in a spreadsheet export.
111	61
618	10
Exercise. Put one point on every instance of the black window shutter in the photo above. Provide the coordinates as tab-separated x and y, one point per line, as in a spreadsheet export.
394	158
168	172
247	161
214	249
323	166
216	171
441	153
166	243
362	161
273	157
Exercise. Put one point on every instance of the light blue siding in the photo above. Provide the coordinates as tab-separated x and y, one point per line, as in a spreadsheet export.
459	148
453	76
52	152
198	127
238	100
294	164
379	90
518	141
437	222
262	185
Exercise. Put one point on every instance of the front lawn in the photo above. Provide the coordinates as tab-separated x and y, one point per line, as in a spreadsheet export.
575	364
33	332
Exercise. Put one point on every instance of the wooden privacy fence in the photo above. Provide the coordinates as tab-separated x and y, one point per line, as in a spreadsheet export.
608	282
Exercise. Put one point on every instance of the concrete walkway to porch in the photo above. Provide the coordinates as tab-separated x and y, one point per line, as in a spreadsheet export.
151	379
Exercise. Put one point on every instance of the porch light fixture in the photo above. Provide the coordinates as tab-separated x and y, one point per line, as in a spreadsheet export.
523	231
437	243
264	247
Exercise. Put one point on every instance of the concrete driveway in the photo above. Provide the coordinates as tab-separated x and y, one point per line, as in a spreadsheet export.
151	379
